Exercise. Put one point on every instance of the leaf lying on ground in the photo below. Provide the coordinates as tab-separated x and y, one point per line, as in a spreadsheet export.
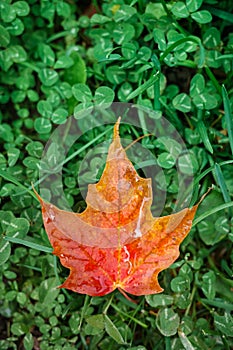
116	242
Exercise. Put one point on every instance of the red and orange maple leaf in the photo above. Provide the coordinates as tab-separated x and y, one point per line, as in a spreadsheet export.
116	242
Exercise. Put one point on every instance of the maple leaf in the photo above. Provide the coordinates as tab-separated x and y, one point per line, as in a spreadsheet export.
116	242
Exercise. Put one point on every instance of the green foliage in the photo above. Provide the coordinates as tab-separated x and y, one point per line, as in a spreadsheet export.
66	57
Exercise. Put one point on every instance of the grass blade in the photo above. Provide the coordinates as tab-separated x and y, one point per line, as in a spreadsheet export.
112	330
218	303
184	40
226	16
12	179
42	178
212	211
204	136
144	86
185	341
203	174
41	248
222	183
228	116
129	316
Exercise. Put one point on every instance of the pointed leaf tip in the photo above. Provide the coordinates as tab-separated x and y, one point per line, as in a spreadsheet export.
116	129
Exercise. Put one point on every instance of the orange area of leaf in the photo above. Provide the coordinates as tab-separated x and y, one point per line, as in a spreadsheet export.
116	242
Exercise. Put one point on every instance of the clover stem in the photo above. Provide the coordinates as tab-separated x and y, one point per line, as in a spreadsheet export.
85	305
168	343
191	300
108	304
